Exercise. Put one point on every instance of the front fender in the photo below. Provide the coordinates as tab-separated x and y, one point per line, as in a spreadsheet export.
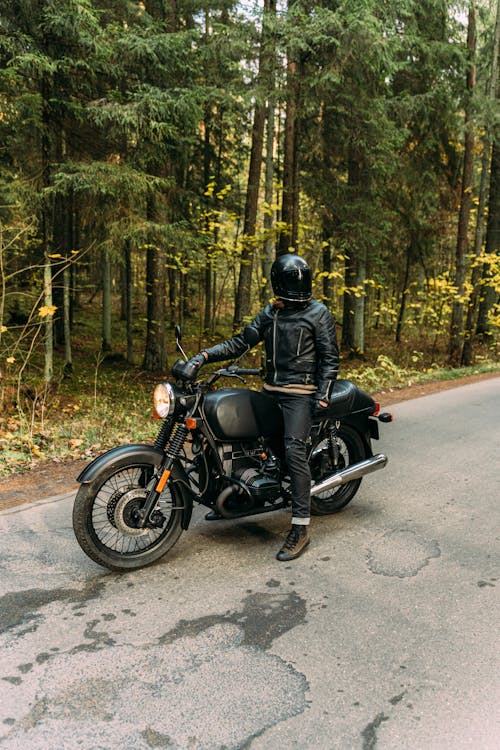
141	453
120	456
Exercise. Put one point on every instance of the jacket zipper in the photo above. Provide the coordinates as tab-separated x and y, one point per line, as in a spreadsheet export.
274	344
301	331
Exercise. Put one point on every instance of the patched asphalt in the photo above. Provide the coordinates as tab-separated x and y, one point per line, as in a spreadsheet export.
382	636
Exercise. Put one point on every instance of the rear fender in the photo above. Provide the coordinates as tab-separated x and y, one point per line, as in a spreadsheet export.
361	424
141	453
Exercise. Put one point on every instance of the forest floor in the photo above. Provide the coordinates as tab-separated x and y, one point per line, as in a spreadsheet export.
58	477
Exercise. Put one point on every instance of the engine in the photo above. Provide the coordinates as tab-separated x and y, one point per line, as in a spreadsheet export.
254	475
260	484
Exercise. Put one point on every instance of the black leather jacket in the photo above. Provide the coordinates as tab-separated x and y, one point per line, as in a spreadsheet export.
300	342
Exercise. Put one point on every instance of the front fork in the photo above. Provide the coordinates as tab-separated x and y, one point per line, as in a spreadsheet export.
156	486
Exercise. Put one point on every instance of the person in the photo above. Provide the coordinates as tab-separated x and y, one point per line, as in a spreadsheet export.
301	366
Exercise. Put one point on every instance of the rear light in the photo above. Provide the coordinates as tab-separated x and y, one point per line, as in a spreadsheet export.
376	410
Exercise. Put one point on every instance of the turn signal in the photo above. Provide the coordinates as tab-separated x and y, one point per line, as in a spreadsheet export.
386	416
190	423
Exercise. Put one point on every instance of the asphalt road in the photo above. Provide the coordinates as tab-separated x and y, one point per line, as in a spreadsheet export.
384	634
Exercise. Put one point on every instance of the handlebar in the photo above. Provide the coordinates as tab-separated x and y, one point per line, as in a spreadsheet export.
243	370
232	371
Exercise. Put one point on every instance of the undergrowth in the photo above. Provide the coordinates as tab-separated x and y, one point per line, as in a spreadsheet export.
107	402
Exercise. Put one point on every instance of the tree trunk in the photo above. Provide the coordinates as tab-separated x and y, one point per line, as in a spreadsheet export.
243	295
467	351
47	269
268	258
154	353
359	303
68	360
207	178
353	321
404	294
327	262
488	295
128	300
172	282
106	299
348	311
457	313
266	58
289	204
49	322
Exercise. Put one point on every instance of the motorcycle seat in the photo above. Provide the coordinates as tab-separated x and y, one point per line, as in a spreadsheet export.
342	398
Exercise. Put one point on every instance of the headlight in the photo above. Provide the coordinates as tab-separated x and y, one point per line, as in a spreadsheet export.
163	400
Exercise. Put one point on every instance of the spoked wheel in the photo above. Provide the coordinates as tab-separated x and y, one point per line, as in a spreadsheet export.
351	450
105	518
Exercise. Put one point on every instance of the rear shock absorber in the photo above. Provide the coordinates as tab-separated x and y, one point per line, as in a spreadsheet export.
333	446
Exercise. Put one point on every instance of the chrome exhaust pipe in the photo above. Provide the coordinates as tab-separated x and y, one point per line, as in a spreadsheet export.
355	471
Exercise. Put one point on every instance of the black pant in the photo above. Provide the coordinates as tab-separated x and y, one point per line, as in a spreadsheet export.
297	417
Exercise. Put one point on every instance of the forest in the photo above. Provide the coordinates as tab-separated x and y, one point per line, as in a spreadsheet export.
156	157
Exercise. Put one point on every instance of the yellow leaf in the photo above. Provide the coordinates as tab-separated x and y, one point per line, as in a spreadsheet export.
47	310
3	329
10	360
55	255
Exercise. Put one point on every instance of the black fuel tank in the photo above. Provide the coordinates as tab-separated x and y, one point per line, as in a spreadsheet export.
237	413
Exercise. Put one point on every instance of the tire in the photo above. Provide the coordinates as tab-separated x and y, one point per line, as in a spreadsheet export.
352	450
102	518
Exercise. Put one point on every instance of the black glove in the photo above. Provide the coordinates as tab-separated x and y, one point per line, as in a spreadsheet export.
188	370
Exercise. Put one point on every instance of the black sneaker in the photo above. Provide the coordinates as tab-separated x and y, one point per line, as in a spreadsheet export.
295	543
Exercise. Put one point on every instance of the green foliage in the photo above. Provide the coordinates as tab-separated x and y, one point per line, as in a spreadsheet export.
128	125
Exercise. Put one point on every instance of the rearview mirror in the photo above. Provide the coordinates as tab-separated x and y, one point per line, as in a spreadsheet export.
178	338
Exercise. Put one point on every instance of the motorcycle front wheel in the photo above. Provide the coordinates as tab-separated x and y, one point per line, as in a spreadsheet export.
104	518
351	450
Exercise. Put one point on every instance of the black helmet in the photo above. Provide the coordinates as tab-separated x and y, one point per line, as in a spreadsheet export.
291	278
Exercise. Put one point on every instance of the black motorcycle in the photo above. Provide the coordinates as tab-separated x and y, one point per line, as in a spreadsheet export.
222	448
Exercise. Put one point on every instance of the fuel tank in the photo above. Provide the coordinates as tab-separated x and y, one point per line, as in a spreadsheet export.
238	414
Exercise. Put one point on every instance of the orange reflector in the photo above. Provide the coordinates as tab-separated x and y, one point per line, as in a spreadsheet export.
263	456
164	479
190	423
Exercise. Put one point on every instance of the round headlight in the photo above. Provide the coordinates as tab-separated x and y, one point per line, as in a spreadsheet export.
164	400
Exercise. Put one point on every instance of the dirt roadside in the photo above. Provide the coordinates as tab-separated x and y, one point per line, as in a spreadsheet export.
57	478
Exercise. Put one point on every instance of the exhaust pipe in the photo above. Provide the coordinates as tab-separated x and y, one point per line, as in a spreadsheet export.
355	471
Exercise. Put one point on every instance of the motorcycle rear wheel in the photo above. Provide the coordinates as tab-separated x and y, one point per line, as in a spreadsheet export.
103	519
352	450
